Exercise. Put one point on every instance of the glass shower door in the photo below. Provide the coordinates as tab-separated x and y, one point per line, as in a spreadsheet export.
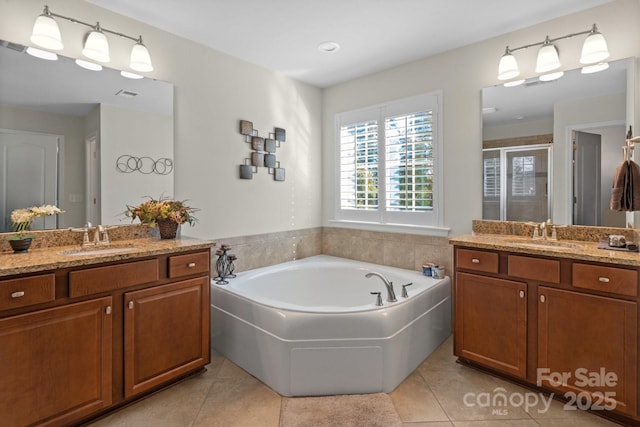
517	183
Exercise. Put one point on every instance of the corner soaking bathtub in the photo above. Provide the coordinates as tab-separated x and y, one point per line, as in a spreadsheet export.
311	327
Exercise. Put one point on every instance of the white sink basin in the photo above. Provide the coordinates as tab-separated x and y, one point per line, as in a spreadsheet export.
99	250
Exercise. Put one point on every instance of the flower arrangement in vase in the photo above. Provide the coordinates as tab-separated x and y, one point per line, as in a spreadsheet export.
166	213
22	220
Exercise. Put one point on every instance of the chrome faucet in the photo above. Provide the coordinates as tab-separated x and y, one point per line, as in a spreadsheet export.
391	295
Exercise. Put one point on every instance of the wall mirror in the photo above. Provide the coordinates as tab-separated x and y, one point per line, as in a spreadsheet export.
550	149
63	129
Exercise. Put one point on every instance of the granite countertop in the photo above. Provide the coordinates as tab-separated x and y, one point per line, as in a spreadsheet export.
71	256
574	249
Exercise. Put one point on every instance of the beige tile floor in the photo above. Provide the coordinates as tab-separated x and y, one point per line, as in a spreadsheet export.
432	396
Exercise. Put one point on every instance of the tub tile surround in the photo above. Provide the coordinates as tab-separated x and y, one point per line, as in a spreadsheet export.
400	250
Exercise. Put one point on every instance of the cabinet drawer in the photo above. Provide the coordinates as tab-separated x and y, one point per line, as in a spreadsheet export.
606	279
189	264
16	293
525	267
104	279
477	260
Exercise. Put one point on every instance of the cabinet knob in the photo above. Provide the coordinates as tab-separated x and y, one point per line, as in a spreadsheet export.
107	310
604	279
130	305
475	261
542	298
17	294
191	264
521	294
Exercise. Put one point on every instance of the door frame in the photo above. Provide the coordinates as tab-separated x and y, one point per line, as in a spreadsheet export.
568	152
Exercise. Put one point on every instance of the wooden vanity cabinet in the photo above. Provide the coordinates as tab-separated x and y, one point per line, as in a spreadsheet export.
55	364
593	341
536	318
491	322
106	335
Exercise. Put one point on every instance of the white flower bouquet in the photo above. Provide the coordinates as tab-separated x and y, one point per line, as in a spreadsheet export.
22	218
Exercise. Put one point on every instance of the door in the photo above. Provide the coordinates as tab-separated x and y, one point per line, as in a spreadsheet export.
29	171
591	341
92	197
491	322
166	333
56	364
587	203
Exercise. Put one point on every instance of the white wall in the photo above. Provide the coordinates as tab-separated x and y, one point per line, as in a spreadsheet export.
134	133
213	91
580	115
520	129
461	74
72	159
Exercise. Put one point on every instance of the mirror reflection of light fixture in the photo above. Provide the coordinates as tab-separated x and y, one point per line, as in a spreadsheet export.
88	65
42	54
46	34
594	52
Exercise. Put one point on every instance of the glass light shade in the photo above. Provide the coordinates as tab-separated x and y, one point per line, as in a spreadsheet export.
130	75
551	76
96	47
508	67
46	33
42	54
140	58
594	49
514	83
88	65
589	69
547	59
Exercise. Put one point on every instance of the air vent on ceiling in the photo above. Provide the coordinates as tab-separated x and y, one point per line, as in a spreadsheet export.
126	93
13	46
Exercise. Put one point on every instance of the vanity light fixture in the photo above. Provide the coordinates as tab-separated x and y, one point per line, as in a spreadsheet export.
46	34
594	52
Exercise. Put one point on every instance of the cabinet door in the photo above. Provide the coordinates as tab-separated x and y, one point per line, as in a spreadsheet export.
491	322
166	333
592	342
55	364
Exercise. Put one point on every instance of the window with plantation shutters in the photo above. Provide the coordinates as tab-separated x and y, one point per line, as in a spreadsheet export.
388	164
491	181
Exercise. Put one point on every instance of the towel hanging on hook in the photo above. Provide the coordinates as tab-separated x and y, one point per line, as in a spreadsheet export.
625	194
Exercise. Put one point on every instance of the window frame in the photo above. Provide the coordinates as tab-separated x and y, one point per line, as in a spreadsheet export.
433	219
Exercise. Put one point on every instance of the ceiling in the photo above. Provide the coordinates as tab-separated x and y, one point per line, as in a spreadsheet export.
374	35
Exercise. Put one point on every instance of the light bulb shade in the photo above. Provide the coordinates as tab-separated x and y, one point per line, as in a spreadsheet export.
508	67
590	69
140	58
551	76
96	47
46	33
42	54
594	49
88	65
547	59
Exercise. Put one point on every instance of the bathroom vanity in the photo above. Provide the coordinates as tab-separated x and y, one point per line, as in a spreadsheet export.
561	316
81	334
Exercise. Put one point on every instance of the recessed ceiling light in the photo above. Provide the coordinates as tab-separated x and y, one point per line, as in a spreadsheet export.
328	47
514	83
489	110
518	117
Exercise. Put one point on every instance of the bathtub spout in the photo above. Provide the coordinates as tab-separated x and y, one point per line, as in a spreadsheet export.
391	295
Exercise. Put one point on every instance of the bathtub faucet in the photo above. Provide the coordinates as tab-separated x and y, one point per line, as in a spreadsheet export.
391	295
